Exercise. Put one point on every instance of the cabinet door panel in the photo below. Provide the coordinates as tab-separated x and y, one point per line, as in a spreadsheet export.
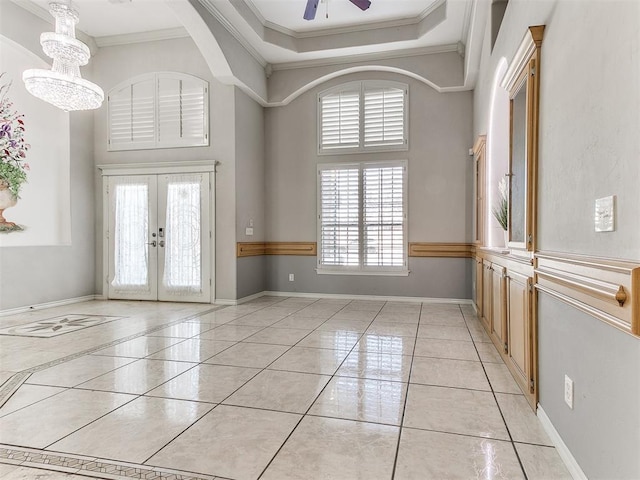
486	295
498	314
519	326
479	289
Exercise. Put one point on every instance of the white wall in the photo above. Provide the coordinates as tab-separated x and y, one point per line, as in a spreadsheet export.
589	145
34	275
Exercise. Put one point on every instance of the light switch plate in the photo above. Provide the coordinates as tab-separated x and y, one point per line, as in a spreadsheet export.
605	214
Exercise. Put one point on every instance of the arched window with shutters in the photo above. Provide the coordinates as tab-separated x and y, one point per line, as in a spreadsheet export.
367	116
159	110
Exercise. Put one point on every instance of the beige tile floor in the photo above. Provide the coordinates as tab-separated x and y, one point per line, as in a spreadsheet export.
278	388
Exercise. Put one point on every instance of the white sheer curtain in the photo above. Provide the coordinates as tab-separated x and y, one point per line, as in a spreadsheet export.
131	236
182	264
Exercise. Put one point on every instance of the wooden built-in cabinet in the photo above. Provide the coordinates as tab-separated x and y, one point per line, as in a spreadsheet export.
505	278
504	301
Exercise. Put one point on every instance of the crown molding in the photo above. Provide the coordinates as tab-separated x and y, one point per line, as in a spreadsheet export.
140	37
365	57
211	8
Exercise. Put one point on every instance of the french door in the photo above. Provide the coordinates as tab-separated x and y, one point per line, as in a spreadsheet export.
159	237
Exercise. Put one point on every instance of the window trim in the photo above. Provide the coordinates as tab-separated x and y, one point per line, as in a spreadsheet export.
361	269
157	143
361	86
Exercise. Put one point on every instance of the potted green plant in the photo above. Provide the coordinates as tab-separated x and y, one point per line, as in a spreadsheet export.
501	212
13	152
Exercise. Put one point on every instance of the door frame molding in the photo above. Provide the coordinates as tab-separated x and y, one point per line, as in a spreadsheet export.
119	169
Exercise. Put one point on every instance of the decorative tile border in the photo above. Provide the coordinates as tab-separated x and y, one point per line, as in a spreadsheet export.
93	467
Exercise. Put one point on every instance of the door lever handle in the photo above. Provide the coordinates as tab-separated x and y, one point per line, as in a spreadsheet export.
153	244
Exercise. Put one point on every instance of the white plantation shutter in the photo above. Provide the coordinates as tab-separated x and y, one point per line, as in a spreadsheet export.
339	216
362	217
383	216
340	120
181	111
132	115
384	116
363	117
159	110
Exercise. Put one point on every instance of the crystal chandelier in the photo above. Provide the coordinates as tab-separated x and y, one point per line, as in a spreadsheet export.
63	86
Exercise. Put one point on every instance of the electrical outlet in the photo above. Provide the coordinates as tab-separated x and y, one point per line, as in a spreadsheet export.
568	391
291	277
248	231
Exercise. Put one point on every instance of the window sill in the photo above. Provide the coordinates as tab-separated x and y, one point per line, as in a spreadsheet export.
378	273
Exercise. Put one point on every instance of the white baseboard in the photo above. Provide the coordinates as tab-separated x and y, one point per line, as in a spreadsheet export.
386	298
562	449
57	303
224	301
240	301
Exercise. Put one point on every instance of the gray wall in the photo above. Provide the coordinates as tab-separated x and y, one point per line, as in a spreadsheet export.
589	144
440	172
446	278
34	275
113	65
250	190
603	429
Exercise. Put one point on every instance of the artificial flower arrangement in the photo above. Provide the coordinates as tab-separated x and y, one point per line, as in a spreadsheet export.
13	147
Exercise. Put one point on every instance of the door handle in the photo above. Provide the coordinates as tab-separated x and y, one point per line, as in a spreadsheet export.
161	243
153	244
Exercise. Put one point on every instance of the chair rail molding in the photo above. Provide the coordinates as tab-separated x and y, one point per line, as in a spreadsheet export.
606	288
442	250
250	249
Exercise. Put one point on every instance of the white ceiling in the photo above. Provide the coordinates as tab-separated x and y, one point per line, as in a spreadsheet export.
100	18
322	38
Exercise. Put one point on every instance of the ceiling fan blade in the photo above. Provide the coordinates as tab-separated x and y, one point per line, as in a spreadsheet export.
361	4
310	11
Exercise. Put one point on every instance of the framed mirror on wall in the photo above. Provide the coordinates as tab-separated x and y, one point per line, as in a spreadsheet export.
522	81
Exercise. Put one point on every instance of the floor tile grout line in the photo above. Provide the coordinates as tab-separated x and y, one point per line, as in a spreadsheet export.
227	397
82	353
495	399
406	399
28	372
360	335
136	396
64	389
316	397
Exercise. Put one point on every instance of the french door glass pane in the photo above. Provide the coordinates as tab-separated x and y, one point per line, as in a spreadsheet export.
182	264
131	218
